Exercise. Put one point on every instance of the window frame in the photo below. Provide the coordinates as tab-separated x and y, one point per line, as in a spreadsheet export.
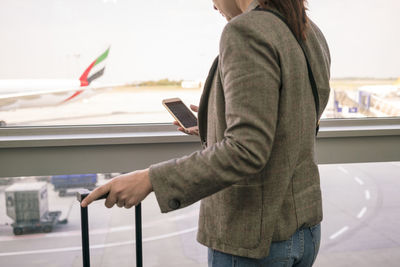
32	151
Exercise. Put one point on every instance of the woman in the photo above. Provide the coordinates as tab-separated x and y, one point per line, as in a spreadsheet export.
257	176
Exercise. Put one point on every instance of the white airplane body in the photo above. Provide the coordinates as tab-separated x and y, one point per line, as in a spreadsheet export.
381	90
16	94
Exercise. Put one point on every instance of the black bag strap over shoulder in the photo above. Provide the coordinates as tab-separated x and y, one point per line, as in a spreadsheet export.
310	73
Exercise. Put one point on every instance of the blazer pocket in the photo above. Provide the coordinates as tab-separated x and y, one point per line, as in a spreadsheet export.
242	216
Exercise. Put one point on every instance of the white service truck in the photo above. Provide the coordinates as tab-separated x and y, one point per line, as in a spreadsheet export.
27	205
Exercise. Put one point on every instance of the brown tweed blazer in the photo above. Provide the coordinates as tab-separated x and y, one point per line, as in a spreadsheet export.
257	174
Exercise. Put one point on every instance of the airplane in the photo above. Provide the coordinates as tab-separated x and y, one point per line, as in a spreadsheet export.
23	93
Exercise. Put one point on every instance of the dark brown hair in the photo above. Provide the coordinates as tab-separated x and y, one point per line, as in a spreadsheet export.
294	11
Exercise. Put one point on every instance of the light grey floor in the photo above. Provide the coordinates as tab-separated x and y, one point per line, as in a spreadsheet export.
360	227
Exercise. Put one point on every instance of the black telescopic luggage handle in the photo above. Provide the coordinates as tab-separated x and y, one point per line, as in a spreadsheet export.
85	230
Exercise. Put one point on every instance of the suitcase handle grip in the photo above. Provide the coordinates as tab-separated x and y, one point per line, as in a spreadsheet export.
82	194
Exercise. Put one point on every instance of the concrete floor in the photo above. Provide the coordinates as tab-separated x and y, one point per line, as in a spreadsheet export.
360	227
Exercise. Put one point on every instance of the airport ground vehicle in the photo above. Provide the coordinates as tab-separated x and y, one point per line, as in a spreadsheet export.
27	205
64	182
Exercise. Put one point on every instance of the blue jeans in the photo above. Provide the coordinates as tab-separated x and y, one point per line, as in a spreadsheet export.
300	251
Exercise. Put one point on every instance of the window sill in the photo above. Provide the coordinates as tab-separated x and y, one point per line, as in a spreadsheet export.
166	133
123	148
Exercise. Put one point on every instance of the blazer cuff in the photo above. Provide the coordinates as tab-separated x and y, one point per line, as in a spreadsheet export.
165	198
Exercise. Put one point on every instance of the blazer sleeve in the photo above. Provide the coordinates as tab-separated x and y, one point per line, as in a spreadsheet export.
250	75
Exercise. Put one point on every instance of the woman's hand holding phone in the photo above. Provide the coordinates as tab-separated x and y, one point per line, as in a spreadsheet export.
194	130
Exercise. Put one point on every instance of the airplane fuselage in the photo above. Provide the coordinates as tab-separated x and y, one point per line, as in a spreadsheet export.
16	94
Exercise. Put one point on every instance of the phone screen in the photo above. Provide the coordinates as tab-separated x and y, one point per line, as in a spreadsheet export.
182	113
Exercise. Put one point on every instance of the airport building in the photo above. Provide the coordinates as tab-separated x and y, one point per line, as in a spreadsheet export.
81	91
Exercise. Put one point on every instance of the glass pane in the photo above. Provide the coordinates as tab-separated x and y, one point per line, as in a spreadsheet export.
150	50
163	49
365	67
40	226
361	214
360	226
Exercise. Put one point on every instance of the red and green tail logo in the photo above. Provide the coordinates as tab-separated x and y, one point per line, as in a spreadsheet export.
93	72
90	74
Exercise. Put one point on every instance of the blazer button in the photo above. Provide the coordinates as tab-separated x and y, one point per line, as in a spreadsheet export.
174	204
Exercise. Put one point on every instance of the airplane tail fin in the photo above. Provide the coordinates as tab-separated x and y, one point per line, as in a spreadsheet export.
95	69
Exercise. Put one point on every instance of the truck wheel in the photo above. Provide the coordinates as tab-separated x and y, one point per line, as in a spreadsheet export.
62	193
47	229
17	231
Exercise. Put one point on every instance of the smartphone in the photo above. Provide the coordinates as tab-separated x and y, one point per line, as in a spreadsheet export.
181	113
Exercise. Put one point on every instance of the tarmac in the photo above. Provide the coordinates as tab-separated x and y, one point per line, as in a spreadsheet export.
360	227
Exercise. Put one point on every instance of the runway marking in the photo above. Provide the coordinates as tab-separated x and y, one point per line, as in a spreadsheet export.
338	233
184	216
343	170
99	231
358	180
367	195
117	244
68	233
362	212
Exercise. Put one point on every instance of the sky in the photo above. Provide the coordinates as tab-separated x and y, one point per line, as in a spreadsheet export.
175	39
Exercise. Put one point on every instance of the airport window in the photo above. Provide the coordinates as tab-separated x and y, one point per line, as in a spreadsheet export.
147	51
364	78
359	227
40	224
163	49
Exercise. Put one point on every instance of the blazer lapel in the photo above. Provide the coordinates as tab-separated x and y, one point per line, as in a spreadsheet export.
203	106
